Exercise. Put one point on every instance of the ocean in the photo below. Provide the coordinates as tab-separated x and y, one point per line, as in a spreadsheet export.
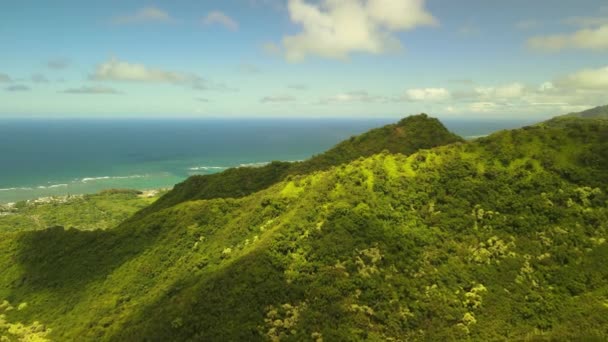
40	158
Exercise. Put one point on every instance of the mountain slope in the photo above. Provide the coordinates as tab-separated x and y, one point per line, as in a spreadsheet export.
500	238
597	113
407	136
600	112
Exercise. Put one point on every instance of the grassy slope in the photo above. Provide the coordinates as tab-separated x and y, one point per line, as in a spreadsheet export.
407	136
503	237
97	211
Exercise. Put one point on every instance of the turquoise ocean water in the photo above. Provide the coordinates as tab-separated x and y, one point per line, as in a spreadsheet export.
41	158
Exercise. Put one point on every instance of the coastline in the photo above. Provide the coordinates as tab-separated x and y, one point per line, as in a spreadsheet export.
101	210
63	199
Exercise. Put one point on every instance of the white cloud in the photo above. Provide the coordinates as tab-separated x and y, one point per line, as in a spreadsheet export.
144	15
579	90
483	107
92	90
121	71
586	79
336	28
427	94
217	17
507	91
589	38
115	70
350	97
277	99
400	14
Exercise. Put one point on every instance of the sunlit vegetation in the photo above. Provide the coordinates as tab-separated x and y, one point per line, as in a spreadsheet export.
501	238
98	211
406	137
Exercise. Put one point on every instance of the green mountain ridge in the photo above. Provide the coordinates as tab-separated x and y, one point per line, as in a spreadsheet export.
600	112
406	136
597	113
501	238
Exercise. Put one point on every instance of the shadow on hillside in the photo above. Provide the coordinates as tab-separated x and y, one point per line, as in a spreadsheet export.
65	261
218	308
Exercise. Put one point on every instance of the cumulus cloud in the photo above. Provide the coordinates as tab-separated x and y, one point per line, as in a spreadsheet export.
122	71
586	79
4	78
144	15
17	87
95	90
58	63
583	89
217	17
427	94
588	38
116	70
277	99
336	28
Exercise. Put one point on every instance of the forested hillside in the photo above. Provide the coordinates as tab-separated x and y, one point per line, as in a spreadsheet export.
406	137
501	238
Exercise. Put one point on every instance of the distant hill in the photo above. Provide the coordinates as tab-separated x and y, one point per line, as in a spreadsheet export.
597	113
500	238
406	137
600	112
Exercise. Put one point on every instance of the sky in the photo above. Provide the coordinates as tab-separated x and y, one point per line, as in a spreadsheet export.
302	58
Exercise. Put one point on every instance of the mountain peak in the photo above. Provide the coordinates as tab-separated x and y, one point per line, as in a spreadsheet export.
407	136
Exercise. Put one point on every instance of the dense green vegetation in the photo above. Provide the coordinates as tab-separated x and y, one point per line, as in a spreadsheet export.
406	137
97	211
501	238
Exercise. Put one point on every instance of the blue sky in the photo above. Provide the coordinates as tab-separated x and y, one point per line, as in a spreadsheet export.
302	58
